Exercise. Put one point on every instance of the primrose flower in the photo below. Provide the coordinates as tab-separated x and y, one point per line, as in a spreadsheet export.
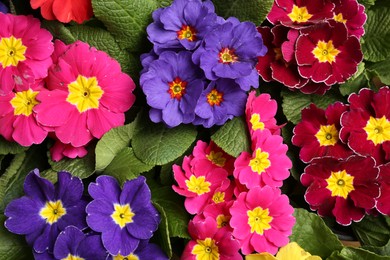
89	94
318	133
199	187
17	119
25	50
183	24
219	212
173	88
220	101
72	243
345	189
60	150
291	251
262	220
267	165
231	51
209	242
124	217
366	127
46	209
74	10
350	13
145	250
326	53
383	201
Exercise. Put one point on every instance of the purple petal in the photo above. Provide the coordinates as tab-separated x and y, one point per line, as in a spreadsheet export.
106	188
67	242
92	248
69	188
136	193
145	222
119	241
99	215
38	188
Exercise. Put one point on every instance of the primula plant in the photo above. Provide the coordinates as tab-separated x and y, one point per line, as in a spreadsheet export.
194	129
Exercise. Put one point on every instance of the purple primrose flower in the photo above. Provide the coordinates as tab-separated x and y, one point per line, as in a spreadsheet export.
145	250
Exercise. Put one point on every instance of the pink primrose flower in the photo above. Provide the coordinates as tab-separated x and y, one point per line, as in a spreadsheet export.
60	150
262	220
219	212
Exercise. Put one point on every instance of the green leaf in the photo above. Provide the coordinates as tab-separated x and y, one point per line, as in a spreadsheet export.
376	41
10	147
233	137
367	3
352	253
373	231
355	83
294	102
104	41
381	69
13	246
111	144
312	234
59	31
162	233
126	166
164	3
80	167
250	10
126	20
380	250
155	144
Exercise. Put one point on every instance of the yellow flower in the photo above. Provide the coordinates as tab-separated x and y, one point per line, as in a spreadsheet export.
291	251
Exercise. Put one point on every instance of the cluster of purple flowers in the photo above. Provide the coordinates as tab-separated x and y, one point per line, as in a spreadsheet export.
201	65
61	223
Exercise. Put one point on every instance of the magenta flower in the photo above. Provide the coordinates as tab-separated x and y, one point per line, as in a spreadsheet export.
326	53
318	133
350	13
267	165
345	189
25	50
209	242
383	201
262	220
60	150
366	127
89	94
200	186
219	212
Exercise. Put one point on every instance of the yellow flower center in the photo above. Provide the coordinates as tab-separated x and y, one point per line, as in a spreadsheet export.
227	55
198	185
72	257
187	32
214	97
378	130
259	220
340	184
177	88
52	211
299	14
216	158
261	162
12	51
339	18
122	214
327	135
84	93
24	102
206	250
127	257
222	221
325	51
256	123
219	197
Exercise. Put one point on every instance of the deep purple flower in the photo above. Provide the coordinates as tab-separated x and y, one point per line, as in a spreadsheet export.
145	250
221	100
43	256
72	243
172	88
182	24
46	209
123	217
3	8
231	51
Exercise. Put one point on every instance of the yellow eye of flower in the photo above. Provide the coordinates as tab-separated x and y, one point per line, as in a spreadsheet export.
24	102
259	220
72	257
327	135
198	185
325	52
378	130
52	211
299	14
261	162
12	51
206	249
256	123
216	158
340	184
127	257
122	215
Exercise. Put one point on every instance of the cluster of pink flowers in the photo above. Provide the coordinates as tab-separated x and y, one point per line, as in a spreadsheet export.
313	44
73	93
347	147
237	202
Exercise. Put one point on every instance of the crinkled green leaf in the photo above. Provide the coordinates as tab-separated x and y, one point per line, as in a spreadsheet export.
312	234
155	144
380	250
59	31
125	166
162	234
13	246
250	10
356	82
382	70
126	20
353	253
376	41
10	147
164	3
373	231
294	102
111	144
367	3
233	137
